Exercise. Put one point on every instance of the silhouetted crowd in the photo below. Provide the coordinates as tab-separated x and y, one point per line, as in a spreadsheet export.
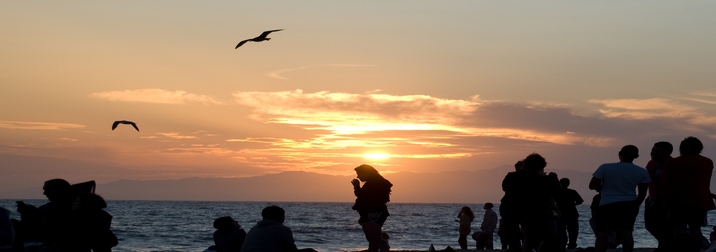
537	212
73	220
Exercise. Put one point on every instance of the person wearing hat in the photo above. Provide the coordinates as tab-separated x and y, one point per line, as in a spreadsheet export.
619	203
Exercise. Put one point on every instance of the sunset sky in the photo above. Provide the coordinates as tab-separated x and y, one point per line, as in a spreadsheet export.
421	86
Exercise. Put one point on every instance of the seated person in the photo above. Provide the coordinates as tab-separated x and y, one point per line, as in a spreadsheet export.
270	235
229	236
46	223
89	227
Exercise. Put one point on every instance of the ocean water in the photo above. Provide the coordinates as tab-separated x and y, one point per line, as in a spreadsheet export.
187	225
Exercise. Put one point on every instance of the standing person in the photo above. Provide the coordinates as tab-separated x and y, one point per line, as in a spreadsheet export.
487	228
685	187
656	216
568	221
534	193
371	205
619	204
229	236
510	225
270	235
465	218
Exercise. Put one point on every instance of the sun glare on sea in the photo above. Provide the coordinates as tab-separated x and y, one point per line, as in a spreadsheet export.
376	156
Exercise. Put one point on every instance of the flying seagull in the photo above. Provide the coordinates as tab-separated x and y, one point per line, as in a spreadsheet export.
114	125
260	38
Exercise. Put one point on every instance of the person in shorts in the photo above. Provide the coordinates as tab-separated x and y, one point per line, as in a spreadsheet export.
619	203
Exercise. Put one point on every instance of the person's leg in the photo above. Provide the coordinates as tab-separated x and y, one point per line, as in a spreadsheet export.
489	242
462	240
573	231
627	241
374	235
561	231
602	241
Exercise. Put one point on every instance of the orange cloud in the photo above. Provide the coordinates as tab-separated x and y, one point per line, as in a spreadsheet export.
39	125
153	95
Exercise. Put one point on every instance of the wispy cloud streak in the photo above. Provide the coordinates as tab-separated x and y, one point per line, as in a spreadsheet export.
152	95
279	74
39	125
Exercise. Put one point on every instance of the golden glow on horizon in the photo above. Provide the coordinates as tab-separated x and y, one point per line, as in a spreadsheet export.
376	156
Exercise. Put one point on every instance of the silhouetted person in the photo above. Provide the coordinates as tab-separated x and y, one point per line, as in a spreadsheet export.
484	238
656	215
371	205
534	193
568	221
465	218
510	225
619	204
685	187
7	233
89	226
270	235
229	236
48	222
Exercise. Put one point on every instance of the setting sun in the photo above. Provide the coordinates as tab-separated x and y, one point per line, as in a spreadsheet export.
376	156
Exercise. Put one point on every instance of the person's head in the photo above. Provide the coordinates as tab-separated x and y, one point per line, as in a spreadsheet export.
691	146
89	201
628	153
467	211
274	213
661	151
519	164
488	205
564	182
225	223
534	162
366	172
56	189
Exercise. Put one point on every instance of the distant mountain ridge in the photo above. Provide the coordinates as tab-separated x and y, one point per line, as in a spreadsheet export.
445	187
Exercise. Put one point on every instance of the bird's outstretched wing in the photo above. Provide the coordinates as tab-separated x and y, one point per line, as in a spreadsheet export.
135	126
241	43
114	125
266	33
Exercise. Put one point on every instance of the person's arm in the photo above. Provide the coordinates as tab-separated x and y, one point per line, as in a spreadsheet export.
577	198
641	195
356	186
595	184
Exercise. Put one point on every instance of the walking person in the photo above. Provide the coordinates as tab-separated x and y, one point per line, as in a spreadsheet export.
371	205
619	204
